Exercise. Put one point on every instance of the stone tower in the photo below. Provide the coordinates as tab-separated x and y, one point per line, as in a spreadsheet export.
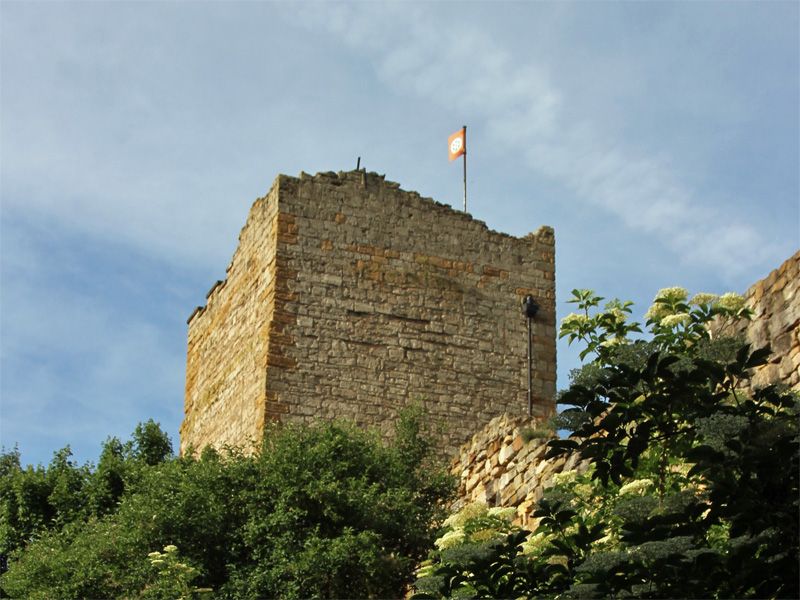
348	297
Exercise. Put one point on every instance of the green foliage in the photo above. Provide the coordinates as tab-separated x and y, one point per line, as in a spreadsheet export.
172	578
35	500
322	511
150	444
693	489
336	514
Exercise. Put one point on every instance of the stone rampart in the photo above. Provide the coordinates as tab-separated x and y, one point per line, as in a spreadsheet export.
500	467
775	302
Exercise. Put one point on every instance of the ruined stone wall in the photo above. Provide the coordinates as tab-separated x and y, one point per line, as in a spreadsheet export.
499	467
775	302
375	297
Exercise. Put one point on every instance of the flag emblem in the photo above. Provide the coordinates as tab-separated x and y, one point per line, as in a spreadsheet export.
456	145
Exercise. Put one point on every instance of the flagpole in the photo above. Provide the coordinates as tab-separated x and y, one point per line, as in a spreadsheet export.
465	168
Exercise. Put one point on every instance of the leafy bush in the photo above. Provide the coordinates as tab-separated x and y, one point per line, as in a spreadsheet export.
693	490
322	511
35	500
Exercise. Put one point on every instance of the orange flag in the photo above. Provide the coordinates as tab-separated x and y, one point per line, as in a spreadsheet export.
457	144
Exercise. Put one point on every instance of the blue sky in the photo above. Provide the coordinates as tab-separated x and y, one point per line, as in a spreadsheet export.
660	140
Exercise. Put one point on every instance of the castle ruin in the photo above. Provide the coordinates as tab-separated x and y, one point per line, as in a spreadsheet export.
348	297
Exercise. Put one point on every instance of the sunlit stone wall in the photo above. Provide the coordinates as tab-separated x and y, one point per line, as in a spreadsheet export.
351	298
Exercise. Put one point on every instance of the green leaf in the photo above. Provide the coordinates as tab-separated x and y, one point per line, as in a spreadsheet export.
759	357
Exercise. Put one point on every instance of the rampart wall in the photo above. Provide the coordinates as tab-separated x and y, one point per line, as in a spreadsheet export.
775	301
500	467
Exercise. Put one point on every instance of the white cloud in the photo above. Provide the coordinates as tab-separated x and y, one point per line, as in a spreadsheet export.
519	104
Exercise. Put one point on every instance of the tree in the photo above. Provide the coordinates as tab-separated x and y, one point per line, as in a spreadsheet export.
693	490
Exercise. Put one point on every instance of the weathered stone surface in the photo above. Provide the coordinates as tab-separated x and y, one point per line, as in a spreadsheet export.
775	302
350	298
526	474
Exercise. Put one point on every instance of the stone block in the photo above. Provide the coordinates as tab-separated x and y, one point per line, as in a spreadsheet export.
506	452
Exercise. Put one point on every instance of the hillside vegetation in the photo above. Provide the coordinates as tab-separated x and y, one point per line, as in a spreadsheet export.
326	511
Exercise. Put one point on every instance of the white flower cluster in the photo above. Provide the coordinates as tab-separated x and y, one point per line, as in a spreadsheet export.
617	309
574	319
535	544
169	557
470	511
661	304
615	341
457	521
506	513
564	477
704	299
450	539
637	486
731	302
584	491
675	320
672	294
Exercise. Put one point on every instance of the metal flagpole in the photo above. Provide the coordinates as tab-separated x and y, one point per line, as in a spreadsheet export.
465	168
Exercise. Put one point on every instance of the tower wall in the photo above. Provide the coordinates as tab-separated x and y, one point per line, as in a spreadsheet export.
228	341
350	298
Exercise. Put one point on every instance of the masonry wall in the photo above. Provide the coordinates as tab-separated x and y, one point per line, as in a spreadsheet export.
376	297
498	467
775	301
228	341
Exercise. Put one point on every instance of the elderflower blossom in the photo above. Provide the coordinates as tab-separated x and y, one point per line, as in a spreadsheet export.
186	568
564	477
656	312
704	299
503	512
574	319
636	486
155	554
615	341
584	490
661	303
171	548
485	535
674	320
450	539
672	294
535	544
156	561
731	302
470	511
617	309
